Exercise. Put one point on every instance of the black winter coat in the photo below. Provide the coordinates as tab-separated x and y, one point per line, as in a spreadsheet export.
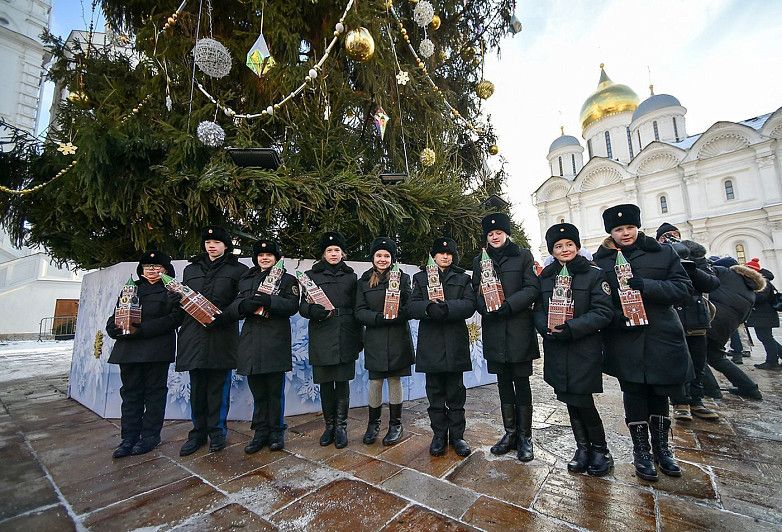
509	339
575	366
199	347
694	311
388	346
443	344
763	314
155	339
265	343
734	300
657	353
337	339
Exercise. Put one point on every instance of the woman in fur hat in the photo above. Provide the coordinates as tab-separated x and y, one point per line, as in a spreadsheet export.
577	291
388	346
650	360
443	352
334	336
509	340
265	343
144	357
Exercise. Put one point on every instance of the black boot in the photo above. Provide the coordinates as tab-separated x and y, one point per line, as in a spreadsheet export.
341	425
600	459
277	440
663	454
642	457
394	433
461	447
437	447
259	441
125	448
580	459
373	425
192	445
329	409
524	450
508	441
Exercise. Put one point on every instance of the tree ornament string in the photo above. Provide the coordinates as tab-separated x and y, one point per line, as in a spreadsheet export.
25	191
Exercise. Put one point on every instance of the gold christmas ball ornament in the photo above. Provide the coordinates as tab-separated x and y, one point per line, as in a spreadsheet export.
359	44
484	89
436	22
494	149
428	157
78	97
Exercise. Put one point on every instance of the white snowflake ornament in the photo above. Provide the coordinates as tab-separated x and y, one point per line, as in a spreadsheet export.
402	78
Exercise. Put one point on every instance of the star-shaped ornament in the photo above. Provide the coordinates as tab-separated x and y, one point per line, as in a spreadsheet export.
402	78
67	148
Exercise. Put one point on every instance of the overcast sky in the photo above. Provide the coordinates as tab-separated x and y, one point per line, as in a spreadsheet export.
721	58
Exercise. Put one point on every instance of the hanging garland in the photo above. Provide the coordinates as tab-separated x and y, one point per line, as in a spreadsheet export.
36	188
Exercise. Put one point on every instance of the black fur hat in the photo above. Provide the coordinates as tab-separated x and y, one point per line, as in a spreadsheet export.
665	228
445	244
215	232
332	238
383	242
266	246
558	232
624	214
154	256
697	251
498	220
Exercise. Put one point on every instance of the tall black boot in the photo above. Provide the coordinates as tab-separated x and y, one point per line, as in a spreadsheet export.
328	404
580	459
394	433
509	441
663	454
524	450
341	425
642	457
373	425
600	459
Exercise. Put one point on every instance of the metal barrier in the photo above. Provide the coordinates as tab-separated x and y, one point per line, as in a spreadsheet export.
57	328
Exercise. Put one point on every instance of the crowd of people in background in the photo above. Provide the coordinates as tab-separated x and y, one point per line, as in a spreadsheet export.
655	313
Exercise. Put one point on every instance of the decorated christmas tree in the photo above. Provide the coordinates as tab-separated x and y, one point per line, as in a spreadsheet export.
351	96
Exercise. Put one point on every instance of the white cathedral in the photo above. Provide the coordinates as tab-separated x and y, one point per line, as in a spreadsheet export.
721	188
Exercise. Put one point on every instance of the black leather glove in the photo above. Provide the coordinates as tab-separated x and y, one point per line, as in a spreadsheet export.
636	283
219	320
113	331
562	332
175	298
689	266
249	306
504	309
318	312
265	300
436	311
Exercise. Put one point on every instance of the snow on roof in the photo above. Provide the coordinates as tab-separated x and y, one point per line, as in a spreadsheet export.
755	123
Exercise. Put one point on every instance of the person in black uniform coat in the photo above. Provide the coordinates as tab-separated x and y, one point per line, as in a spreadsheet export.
443	352
651	361
388	346
209	353
144	357
573	351
764	318
509	340
265	344
335	337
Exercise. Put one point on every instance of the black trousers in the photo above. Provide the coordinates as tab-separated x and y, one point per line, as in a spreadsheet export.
331	392
514	390
718	360
696	345
641	401
773	349
210	397
446	394
268	401
144	390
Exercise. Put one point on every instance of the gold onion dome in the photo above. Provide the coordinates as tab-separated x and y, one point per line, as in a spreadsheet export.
609	98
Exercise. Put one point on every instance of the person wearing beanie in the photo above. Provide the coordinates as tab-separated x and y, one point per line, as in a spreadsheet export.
695	314
509	340
650	361
209	353
765	318
335	337
573	351
668	232
144	357
265	352
388	346
443	351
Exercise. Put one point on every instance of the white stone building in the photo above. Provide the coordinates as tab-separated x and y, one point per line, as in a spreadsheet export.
722	187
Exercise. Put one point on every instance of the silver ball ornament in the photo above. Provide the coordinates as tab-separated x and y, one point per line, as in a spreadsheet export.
210	134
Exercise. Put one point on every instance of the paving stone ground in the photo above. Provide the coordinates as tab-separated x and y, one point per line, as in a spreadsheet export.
56	472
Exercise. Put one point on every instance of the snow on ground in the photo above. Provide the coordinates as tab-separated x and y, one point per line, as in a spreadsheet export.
28	359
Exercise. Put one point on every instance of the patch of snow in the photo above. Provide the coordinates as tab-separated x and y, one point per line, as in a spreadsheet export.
30	359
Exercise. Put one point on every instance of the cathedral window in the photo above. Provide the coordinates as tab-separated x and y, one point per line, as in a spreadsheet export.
573	160
640	146
741	255
656	131
630	142
561	220
664	204
730	194
609	151
589	147
675	129
560	166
